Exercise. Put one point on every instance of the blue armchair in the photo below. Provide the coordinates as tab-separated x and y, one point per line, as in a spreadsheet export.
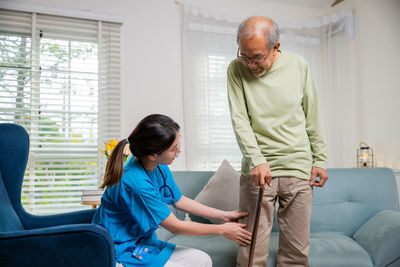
67	239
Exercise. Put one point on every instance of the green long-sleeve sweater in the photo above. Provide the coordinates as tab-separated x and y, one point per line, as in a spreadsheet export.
275	117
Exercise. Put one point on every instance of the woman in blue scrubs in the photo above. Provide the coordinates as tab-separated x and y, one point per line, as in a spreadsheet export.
134	203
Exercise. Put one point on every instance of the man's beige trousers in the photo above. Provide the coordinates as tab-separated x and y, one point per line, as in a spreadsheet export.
295	201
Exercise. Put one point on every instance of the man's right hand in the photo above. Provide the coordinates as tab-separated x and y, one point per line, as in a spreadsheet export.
261	175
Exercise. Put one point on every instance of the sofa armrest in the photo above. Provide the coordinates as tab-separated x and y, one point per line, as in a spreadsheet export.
68	245
380	237
31	221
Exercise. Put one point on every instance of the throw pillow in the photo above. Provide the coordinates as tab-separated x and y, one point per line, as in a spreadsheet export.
222	190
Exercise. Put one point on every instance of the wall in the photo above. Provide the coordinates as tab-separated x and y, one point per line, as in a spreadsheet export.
378	57
151	80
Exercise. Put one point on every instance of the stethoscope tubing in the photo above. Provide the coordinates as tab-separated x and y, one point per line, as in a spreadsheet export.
164	181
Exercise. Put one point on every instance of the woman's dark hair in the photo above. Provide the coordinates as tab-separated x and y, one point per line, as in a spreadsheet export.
153	135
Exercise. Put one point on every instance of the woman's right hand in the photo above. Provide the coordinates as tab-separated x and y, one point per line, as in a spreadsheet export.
235	232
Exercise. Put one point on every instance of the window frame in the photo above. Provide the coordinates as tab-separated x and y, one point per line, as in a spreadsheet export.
108	38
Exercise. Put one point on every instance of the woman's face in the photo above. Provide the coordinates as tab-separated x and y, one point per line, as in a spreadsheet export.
168	156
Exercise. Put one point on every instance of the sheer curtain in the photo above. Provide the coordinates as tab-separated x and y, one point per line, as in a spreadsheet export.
327	45
209	44
208	47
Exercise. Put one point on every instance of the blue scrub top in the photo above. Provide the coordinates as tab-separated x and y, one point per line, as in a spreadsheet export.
132	210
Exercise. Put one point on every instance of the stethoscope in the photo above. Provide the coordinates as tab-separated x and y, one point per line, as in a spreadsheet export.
163	186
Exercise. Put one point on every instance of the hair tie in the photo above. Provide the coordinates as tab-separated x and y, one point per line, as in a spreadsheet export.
127	140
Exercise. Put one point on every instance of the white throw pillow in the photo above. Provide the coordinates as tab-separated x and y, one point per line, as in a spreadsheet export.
222	190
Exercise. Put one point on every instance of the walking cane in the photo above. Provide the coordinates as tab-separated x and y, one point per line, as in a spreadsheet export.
255	228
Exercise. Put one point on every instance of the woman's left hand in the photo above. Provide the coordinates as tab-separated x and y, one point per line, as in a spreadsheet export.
233	216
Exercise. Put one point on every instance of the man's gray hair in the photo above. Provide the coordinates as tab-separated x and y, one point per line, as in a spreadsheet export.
271	32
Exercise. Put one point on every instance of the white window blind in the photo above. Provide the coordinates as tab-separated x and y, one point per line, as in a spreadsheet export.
60	79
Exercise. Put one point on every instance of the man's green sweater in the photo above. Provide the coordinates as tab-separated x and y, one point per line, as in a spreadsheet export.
276	118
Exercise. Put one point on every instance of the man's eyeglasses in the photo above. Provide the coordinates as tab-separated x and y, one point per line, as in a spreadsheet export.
247	60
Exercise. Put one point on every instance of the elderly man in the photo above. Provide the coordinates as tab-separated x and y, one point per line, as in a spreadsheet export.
275	117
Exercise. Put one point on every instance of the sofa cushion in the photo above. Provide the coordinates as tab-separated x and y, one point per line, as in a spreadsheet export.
379	236
221	191
337	250
328	250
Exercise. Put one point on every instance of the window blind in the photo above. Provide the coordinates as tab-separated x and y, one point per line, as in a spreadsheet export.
60	80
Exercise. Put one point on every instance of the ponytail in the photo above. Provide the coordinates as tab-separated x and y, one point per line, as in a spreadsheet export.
153	135
115	165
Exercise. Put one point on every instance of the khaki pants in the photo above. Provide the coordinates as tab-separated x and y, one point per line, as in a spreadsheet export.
294	213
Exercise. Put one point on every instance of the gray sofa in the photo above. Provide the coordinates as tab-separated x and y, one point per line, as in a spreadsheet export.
355	221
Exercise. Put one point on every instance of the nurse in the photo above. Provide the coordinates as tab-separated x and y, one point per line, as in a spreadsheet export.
134	203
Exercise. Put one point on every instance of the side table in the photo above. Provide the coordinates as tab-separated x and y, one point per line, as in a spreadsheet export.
91	197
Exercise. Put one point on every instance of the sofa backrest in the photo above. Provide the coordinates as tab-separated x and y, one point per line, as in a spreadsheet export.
349	198
190	183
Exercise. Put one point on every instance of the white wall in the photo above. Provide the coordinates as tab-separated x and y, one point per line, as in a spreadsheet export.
151	80
378	57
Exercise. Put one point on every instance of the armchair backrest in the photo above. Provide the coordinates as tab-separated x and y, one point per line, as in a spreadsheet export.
9	220
14	148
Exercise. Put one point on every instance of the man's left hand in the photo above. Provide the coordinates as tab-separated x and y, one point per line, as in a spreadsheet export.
318	172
